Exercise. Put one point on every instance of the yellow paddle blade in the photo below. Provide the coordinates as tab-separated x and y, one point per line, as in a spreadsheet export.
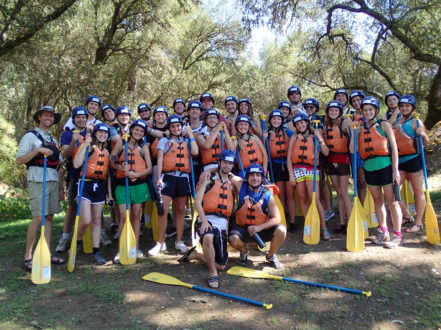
251	273
165	279
41	262
432	229
363	218
127	243
155	222
408	198
88	241
369	209
355	231
311	232
73	247
281	210
194	236
148	210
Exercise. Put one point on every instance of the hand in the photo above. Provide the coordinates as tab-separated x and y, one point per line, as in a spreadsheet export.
132	174
205	227
419	131
159	184
253	229
292	181
204	176
88	139
45	151
396	177
76	136
318	134
89	128
189	131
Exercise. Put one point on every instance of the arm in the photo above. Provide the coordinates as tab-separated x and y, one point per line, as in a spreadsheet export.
228	141
263	150
159	160
257	128
351	141
274	214
288	160
193	144
420	131
66	150
322	145
81	154
25	144
199	198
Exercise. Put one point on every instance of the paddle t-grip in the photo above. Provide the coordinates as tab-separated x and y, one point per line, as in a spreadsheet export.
259	240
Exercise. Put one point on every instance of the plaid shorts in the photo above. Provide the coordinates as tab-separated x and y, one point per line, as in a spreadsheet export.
305	174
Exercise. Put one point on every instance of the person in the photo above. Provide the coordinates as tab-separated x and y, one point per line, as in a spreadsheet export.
94	187
145	112
285	107
341	95
300	166
355	99
70	142
249	148
214	203
138	166
173	166
256	213
409	162
123	123
108	114
179	108
393	112
194	110
295	99
337	164
246	108
93	104
277	138
210	140
32	148
207	101
378	149
231	103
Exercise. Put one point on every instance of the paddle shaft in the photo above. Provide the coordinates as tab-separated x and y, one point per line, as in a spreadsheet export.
354	161
43	206
242	170
319	285
314	182
83	178
264	127
222	140
193	185
126	160
423	158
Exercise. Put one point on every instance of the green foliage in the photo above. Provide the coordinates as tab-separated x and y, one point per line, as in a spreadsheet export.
14	209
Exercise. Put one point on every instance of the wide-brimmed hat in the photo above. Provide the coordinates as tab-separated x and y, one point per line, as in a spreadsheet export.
57	116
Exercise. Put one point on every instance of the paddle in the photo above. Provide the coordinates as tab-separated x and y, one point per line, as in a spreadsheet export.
194	234
252	273
88	241
264	128
355	231
432	229
41	260
369	209
73	245
127	241
311	231
239	159
170	280
408	198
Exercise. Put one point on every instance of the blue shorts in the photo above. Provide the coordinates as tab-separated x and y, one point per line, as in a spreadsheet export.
94	191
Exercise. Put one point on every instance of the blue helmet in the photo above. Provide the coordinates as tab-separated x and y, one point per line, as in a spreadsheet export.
391	93
254	168
194	104
335	104
77	111
228	156
312	101
371	101
141	123
341	91
101	127
356	93
123	109
160	108
245	100
93	98
211	111
107	106
174	119
410	99
144	106
231	98
274	113
178	100
294	89
300	116
243	118
204	95
285	104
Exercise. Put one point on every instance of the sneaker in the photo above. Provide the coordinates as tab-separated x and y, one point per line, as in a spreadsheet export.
105	240
171	231
181	247
326	234
163	247
99	259
381	237
243	258
62	244
329	214
154	251
113	228
393	243
116	259
139	254
274	261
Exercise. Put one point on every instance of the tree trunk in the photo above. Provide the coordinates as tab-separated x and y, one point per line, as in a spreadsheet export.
434	101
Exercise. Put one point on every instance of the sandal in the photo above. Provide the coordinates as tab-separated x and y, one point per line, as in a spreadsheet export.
213	282
407	221
57	260
186	256
326	234
27	265
414	229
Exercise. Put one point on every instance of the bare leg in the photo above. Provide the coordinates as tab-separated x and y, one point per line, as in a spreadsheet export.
97	210
179	211
277	240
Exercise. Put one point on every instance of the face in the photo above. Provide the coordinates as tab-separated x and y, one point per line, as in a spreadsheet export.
405	109
226	167
301	126
294	97
179	108
46	118
101	136
392	102
145	114
207	103
160	118
276	121
194	113
211	121
109	115
137	132
80	121
254	180
243	127
285	111
244	108
123	118
333	112
310	109
342	98
369	111
356	102
175	129
231	106
93	108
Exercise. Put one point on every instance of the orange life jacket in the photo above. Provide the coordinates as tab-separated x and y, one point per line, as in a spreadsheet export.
135	161
303	151
219	199
154	148
278	144
97	164
210	155
406	144
371	143
252	214
336	140
177	157
76	147
250	152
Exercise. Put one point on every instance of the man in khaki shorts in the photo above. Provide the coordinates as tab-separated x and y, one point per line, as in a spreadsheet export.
31	150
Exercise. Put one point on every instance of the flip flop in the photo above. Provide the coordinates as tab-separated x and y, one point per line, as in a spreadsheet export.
186	256
412	229
57	260
213	282
27	265
407	221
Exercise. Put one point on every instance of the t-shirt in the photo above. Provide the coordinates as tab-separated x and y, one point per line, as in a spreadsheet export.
70	125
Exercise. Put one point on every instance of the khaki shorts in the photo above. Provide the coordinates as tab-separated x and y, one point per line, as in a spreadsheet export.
35	190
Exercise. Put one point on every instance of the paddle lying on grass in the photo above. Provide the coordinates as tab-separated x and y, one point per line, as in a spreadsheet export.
253	273
170	280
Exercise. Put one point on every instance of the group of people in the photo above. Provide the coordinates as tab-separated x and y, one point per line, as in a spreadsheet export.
238	161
